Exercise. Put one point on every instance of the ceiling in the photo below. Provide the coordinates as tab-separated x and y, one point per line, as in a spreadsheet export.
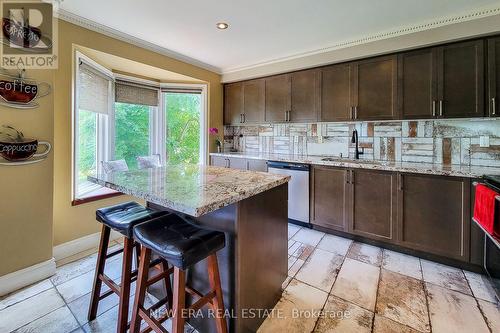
260	31
134	68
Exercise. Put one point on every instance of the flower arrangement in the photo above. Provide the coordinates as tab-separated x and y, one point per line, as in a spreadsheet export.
214	131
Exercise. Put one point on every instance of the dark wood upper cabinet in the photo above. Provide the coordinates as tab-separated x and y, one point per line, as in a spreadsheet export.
434	214
375	88
233	103
373	204
417	89
253	101
277	98
336	94
329	197
493	76
461	80
304	87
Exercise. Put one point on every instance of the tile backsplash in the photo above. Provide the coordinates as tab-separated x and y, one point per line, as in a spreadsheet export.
432	141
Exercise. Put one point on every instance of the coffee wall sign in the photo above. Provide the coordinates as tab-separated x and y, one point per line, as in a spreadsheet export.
21	93
15	149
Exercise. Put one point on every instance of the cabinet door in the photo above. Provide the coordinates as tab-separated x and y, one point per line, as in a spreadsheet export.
257	165
237	163
375	87
373	204
277	98
417	78
336	99
304	87
233	103
329	197
219	161
460	80
435	215
253	101
493	76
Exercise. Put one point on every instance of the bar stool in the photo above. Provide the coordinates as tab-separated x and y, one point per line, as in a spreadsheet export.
181	244
122	218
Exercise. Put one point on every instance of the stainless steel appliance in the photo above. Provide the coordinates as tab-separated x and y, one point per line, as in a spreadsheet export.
491	259
298	189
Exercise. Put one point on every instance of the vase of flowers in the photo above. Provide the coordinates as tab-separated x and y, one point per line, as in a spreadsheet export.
214	131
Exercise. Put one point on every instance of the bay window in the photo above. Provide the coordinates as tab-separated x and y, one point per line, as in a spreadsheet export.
121	117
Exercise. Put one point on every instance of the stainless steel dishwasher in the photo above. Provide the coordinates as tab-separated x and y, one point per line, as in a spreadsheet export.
298	189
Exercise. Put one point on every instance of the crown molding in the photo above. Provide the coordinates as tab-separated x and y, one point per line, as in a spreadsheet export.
116	34
397	32
400	31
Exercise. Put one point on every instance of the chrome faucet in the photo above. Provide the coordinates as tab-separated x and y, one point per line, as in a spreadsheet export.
355	140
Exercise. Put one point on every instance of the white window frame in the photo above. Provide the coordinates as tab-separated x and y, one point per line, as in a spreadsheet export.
203	121
103	143
106	124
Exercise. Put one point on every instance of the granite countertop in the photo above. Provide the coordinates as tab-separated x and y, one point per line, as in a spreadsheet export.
409	167
191	189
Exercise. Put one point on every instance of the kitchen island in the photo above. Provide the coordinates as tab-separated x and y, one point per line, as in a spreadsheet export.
249	207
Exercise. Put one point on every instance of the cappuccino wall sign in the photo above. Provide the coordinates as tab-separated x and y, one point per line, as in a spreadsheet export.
15	149
18	92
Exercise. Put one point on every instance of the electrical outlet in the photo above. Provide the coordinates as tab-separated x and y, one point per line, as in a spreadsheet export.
484	141
320	138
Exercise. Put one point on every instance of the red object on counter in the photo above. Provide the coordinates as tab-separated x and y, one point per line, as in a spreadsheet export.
484	209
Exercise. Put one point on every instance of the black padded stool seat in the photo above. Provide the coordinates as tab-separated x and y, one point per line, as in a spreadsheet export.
179	242
123	217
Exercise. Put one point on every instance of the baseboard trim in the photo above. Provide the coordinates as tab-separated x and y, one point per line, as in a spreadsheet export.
26	276
68	249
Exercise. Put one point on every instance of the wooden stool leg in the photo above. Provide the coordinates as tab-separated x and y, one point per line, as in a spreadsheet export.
140	291
101	260
179	300
218	302
168	285
137	254
128	252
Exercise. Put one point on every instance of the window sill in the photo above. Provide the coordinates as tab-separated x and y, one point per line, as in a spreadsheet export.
99	194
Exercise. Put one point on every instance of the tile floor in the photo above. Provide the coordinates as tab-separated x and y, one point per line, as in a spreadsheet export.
334	285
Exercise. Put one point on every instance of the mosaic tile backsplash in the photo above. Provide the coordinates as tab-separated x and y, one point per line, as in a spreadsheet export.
431	141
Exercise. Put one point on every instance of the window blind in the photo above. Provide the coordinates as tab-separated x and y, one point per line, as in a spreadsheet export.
132	93
93	90
182	90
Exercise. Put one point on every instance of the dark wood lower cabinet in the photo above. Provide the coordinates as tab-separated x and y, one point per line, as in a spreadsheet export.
329	195
434	215
372	204
423	213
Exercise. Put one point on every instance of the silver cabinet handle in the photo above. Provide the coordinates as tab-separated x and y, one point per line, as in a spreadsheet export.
494	106
433	108
400	182
289	115
241	118
350	113
355	112
440	107
228	163
286	115
244	118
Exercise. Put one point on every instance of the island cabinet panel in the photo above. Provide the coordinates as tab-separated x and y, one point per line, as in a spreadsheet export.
434	214
277	96
336	93
253	101
329	195
256	165
375	88
493	76
417	78
304	89
233	103
461	80
373	204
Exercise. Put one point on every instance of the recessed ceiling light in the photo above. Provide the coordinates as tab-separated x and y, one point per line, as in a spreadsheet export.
222	25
